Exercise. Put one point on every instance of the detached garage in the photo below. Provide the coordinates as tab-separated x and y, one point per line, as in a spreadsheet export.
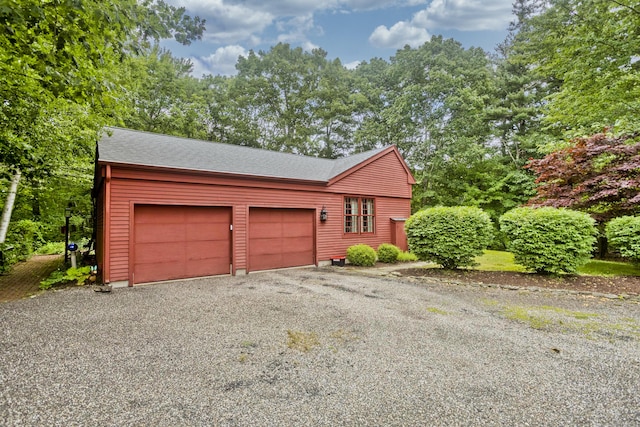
173	208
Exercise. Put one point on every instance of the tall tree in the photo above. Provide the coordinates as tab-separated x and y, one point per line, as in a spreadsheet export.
162	93
59	79
588	49
433	112
518	93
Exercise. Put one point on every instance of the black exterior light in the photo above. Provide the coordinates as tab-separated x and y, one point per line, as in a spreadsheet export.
323	214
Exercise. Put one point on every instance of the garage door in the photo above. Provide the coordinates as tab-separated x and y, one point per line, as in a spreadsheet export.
177	242
280	238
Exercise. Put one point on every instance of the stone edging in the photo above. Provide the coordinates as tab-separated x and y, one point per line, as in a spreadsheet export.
387	273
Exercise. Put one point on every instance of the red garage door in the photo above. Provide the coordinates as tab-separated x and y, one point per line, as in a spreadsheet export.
176	242
280	238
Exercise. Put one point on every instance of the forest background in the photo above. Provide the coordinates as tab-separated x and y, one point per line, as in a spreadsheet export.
467	121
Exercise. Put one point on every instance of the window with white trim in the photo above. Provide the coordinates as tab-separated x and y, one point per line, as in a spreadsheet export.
359	215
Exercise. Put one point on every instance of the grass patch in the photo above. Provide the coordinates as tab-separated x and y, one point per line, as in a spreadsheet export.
405	256
498	261
591	325
302	341
609	268
527	316
503	261
436	310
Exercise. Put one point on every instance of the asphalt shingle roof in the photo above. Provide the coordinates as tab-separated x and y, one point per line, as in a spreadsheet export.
131	147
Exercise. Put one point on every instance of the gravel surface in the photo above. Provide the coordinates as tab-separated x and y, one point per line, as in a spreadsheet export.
318	347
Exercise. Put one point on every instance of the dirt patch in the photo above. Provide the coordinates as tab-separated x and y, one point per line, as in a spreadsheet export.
607	285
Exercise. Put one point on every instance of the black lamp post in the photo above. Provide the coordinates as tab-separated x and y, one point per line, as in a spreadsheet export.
67	215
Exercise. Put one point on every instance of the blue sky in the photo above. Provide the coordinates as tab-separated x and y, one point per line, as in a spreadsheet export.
352	30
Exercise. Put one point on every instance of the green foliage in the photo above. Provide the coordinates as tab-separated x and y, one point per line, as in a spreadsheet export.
597	174
63	277
51	248
549	240
623	234
406	256
23	237
362	255
388	253
600	90
450	236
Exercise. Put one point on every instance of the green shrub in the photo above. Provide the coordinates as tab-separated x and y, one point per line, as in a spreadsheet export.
407	256
388	253
449	236
363	255
51	248
623	234
72	275
549	240
23	238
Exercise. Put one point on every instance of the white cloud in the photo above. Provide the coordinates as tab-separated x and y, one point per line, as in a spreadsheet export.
465	15
222	61
400	34
296	30
352	65
226	22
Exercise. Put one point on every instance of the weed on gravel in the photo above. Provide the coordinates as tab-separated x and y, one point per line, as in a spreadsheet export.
551	318
302	341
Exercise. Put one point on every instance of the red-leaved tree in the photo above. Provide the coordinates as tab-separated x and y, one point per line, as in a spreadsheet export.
599	174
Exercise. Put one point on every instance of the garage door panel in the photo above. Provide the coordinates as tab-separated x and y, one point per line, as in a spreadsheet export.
265	246
266	262
297	230
159	271
265	230
203	267
207	250
202	215
146	253
216	232
280	238
293	259
175	242
159	233
294	244
158	215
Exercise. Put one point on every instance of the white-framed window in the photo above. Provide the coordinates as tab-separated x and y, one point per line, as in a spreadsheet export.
359	215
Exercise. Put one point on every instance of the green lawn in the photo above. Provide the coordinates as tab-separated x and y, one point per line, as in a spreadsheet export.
503	261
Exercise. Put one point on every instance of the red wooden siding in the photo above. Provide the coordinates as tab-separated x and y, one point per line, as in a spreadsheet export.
384	176
99	224
280	238
175	242
131	187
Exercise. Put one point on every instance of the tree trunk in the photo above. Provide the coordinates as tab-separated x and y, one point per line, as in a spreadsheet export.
8	206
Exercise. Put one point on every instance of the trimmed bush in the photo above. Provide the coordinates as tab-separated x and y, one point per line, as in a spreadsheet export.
407	257
388	253
363	255
623	234
449	236
549	240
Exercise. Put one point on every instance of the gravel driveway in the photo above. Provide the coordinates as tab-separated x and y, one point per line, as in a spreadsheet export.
318	347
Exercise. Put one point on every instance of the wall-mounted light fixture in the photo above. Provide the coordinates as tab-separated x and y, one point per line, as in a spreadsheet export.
323	214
